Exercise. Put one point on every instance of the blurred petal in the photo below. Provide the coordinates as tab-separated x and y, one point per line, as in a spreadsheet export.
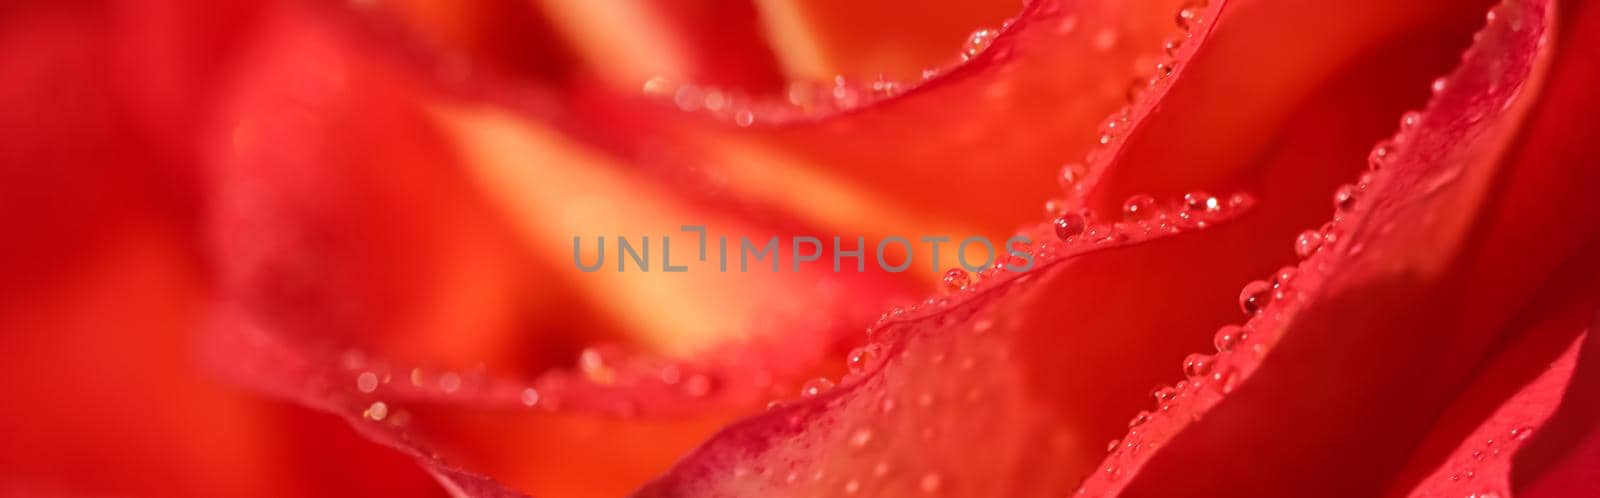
817	40
383	243
102	293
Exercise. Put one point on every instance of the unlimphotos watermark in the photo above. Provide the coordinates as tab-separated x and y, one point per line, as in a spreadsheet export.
743	254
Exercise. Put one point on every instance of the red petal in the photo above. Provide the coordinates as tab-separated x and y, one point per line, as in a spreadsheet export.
378	240
817	40
1564	457
1117	343
1326	382
942	401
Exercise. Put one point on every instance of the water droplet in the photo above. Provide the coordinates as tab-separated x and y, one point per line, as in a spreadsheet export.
367	382
1070	175
930	483
860	437
1197	365
977	42
376	411
1139	419
656	86
1282	279
862	358
1410	120
1164	394
689	98
1521	433
530	396
1307	243
1189	17
1227	337
1380	155
956	280
1345	198
1254	297
1165	69
1070	225
450	382
1054	207
1139	207
852	487
816	387
1201	202
697	386
1173	46
1440	84
1106	39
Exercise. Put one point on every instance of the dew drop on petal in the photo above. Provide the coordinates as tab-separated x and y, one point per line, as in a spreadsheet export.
1283	277
1380	155
956	280
1173	46
1070	225
530	396
816	386
1521	433
1139	419
1307	243
376	411
977	42
1054	207
1345	198
1164	394
1139	207
1070	175
1254	297
450	382
1201	202
862	358
1197	365
1410	120
697	386
1227	337
1189	16
860	437
367	382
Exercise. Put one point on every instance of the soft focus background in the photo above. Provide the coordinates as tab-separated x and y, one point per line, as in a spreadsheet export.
111	115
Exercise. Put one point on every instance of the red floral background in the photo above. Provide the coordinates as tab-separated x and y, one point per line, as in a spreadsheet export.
1280	247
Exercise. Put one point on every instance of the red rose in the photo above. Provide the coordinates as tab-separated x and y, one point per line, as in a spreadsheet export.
231	223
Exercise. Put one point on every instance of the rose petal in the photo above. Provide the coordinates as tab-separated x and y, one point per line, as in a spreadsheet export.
1066	373
379	241
958	163
940	402
103	298
1470	447
817	40
1356	311
1561	460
